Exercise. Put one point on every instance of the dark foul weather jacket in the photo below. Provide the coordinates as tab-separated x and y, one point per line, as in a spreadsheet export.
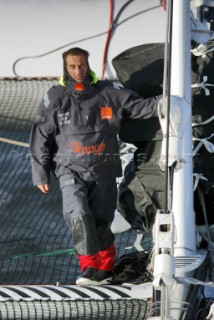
76	129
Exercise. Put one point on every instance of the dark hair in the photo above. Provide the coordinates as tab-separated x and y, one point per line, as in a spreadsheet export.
75	52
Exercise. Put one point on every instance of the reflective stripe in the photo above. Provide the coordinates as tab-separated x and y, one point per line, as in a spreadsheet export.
92	74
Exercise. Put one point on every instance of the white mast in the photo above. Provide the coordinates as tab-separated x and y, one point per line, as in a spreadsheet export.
166	262
182	205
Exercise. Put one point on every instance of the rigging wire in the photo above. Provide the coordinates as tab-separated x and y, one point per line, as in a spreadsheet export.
108	37
77	41
163	3
166	100
113	28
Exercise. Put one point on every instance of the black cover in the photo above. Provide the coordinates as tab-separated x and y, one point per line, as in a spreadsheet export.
203	109
141	192
141	70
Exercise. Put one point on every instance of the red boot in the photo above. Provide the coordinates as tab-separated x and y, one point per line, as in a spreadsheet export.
92	260
97	268
107	258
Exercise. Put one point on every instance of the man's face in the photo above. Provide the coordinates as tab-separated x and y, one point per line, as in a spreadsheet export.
77	67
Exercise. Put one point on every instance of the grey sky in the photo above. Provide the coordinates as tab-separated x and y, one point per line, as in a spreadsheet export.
33	27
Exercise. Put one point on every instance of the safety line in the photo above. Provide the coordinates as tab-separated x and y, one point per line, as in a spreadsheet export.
17	143
41	254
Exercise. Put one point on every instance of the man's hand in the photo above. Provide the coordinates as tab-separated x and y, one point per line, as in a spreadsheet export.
43	187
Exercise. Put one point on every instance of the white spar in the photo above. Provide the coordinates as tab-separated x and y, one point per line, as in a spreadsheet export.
179	117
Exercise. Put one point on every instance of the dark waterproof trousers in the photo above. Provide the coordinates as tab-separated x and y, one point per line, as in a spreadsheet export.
88	209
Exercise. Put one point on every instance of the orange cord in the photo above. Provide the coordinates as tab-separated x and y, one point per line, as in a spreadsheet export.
107	39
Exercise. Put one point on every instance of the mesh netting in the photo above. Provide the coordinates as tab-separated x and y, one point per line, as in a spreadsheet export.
78	309
35	243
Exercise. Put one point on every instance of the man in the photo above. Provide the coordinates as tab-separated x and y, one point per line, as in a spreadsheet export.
75	136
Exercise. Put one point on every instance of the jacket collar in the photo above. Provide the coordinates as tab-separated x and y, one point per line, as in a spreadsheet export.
66	78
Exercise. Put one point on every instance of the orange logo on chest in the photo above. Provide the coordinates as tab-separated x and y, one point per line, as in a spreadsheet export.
96	149
106	113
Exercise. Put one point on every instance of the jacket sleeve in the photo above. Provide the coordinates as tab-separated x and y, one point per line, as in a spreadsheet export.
42	141
135	106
